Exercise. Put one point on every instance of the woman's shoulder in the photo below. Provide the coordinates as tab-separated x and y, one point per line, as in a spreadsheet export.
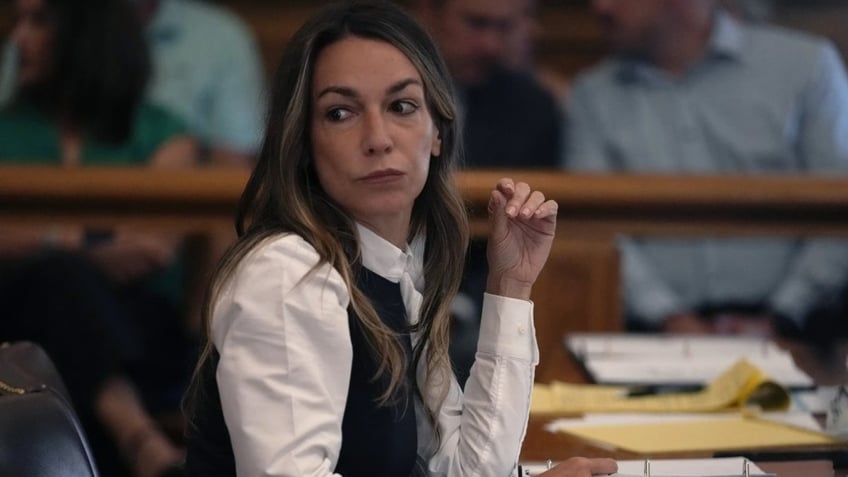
288	260
281	282
284	248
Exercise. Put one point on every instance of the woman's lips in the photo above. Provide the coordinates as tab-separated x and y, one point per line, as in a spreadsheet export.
382	176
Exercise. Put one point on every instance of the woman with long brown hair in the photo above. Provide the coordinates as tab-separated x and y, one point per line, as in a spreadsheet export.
328	321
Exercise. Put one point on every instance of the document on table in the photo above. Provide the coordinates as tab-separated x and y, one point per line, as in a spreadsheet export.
678	360
801	420
723	467
709	433
742	384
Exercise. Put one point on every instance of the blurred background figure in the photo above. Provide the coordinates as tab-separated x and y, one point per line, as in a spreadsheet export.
510	121
689	89
8	63
107	305
753	11
520	52
206	69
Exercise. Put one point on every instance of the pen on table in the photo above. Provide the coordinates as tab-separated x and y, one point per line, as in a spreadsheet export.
655	390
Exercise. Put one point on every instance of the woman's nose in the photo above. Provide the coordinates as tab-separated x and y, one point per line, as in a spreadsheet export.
376	137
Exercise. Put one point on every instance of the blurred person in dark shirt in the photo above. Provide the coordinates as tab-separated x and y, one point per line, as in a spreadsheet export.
105	304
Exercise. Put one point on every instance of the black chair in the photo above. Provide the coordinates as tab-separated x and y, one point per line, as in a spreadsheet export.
40	435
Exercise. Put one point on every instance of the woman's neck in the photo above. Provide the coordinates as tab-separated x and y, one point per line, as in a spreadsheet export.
393	230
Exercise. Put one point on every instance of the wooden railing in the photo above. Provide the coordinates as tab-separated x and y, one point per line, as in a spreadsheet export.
577	291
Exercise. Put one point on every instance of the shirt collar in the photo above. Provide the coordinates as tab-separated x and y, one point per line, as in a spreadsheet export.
726	37
385	259
726	41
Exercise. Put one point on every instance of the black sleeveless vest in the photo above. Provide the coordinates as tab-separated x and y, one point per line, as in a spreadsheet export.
376	441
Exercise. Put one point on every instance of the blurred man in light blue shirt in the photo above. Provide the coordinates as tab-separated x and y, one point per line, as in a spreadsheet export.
691	90
207	69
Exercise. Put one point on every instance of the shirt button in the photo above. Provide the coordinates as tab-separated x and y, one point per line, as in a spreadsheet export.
522	330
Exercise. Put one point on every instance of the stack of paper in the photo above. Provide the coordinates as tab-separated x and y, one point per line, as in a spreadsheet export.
678	360
732	374
728	466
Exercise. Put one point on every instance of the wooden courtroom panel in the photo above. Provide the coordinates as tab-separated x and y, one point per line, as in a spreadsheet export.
577	291
602	206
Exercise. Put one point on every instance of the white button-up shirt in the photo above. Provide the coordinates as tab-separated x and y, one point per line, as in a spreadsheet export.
281	329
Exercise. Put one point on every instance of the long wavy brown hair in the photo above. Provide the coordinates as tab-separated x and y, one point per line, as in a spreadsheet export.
284	195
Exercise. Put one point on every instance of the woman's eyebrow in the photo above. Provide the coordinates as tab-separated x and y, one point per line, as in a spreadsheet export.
353	94
340	90
402	84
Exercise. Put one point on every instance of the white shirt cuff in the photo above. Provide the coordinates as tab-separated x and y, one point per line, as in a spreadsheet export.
507	329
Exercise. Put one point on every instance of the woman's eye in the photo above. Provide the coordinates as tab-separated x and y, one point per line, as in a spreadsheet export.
404	107
338	114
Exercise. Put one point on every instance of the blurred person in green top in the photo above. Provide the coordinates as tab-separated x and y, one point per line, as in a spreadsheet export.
107	304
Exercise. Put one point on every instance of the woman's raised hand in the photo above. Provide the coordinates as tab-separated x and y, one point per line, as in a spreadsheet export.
521	230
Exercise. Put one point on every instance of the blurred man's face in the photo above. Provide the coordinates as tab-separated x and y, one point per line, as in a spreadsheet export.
631	26
473	35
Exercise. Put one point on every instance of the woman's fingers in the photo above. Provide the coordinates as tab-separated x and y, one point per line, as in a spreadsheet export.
548	209
603	466
522	201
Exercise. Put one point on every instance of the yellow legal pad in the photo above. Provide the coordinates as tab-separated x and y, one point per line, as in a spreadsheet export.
701	435
741	385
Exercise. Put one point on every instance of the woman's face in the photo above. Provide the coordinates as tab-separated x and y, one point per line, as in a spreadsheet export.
372	134
33	37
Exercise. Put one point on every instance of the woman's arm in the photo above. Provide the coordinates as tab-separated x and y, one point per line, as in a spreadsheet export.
281	330
482	430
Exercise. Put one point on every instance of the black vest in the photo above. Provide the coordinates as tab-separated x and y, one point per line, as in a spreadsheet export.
376	441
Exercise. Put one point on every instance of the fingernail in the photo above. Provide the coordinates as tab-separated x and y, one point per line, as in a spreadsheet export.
526	212
510	211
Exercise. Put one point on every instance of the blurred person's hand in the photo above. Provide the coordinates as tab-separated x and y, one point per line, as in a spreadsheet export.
132	255
687	323
745	324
